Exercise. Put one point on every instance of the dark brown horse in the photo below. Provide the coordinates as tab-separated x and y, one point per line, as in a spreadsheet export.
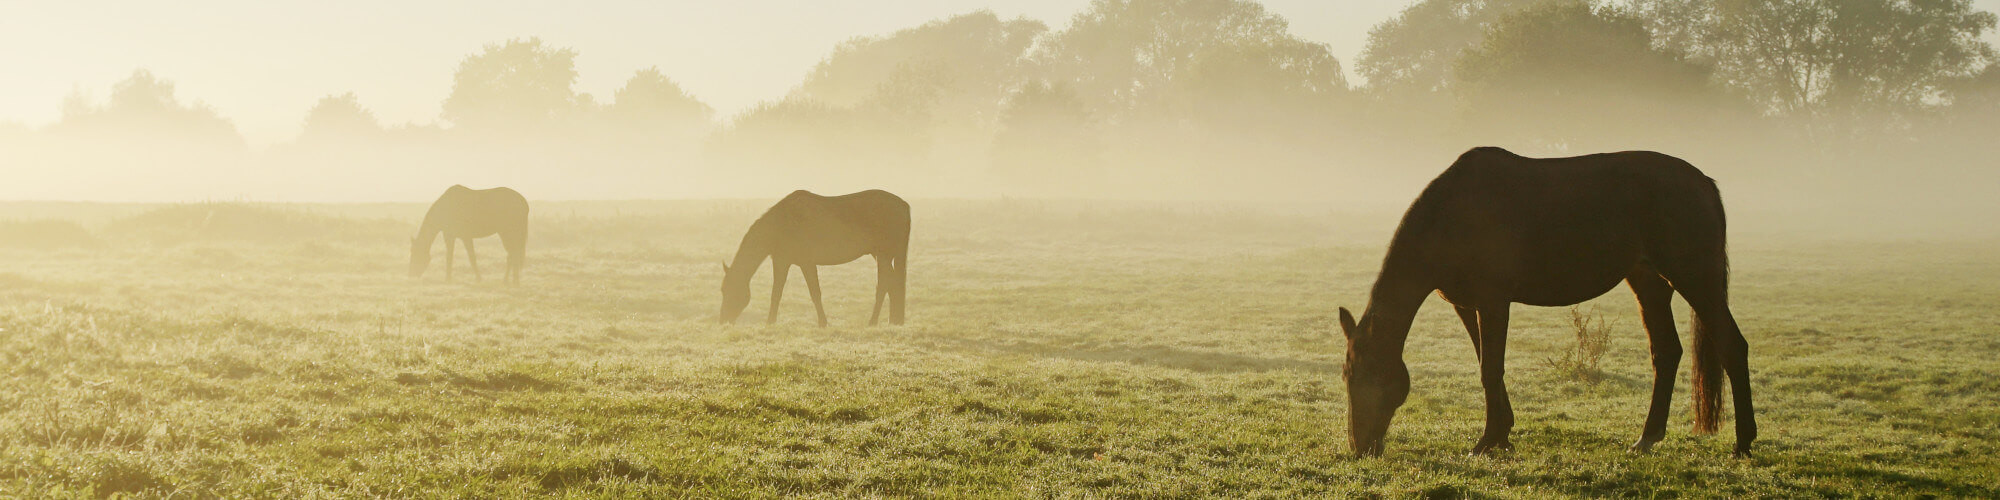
809	230
465	214
1497	228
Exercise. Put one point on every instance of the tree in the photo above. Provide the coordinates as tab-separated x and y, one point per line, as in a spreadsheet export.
1565	73
973	59
651	103
1415	51
1826	57
144	107
512	86
1121	55
1270	89
339	117
1981	91
1046	140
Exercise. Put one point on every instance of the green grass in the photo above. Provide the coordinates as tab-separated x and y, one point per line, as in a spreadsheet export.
1053	349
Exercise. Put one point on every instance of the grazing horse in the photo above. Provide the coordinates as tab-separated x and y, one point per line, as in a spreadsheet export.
1497	228
465	214
809	230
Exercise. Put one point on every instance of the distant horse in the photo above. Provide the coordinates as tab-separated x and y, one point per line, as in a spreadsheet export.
1497	228
465	214
809	230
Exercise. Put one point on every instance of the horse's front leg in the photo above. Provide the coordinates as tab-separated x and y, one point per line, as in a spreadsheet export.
779	270
1470	317
450	248
472	258
1492	375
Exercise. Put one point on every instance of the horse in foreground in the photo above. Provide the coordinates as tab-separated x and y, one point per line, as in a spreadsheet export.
809	230
465	214
1497	228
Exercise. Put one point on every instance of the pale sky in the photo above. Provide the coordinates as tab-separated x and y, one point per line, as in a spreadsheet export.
262	63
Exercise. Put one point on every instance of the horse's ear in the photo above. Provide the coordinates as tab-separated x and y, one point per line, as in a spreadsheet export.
725	268
1347	323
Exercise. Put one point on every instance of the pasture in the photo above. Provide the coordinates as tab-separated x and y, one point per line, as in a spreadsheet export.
1052	349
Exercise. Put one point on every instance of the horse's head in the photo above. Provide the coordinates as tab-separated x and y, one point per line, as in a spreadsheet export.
420	257
735	294
1377	384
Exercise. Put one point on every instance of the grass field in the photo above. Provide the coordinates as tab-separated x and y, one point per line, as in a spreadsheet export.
1053	349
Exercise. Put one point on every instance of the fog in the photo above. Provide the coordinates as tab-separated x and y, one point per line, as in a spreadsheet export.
1869	117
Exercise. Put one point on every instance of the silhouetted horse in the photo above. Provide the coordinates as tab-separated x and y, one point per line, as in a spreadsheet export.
464	214
809	230
1497	228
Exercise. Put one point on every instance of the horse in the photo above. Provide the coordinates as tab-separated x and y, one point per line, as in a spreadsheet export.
808	230
1497	229
464	213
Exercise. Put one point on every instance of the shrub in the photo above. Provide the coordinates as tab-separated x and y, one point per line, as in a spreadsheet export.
243	222
44	234
1579	360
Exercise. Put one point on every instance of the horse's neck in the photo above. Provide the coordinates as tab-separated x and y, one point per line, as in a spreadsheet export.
1392	306
432	225
758	243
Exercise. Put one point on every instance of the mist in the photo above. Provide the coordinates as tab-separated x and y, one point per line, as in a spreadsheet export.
954	248
1862	118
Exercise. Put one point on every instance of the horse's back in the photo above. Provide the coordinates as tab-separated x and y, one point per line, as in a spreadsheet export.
482	212
873	208
1558	230
1491	186
841	228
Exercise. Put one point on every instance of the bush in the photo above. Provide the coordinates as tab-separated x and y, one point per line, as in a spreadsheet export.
1579	361
242	222
44	234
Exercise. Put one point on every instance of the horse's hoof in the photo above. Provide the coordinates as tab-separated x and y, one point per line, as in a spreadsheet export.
1643	446
1490	448
1743	452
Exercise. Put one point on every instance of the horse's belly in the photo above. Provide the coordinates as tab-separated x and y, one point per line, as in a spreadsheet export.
1554	275
834	255
836	260
1571	282
1565	296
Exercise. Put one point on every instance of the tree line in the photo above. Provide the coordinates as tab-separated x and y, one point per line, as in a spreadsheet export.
1169	98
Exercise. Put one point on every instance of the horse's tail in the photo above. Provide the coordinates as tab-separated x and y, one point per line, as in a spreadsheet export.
1707	348
1707	378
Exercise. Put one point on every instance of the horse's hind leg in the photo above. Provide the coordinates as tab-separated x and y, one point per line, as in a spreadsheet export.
1656	300
811	273
882	272
1713	313
1706	288
517	253
900	280
516	259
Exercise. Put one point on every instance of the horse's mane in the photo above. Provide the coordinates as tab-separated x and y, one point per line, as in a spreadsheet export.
1423	213
771	213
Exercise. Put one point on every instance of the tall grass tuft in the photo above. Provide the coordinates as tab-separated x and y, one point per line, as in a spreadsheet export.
1579	361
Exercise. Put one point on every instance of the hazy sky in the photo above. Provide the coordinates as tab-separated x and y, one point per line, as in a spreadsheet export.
263	63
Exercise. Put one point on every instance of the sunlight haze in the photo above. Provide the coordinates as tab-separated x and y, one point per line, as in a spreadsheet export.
261	64
993	249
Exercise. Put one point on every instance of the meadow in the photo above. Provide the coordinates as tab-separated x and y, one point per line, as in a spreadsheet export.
1053	349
